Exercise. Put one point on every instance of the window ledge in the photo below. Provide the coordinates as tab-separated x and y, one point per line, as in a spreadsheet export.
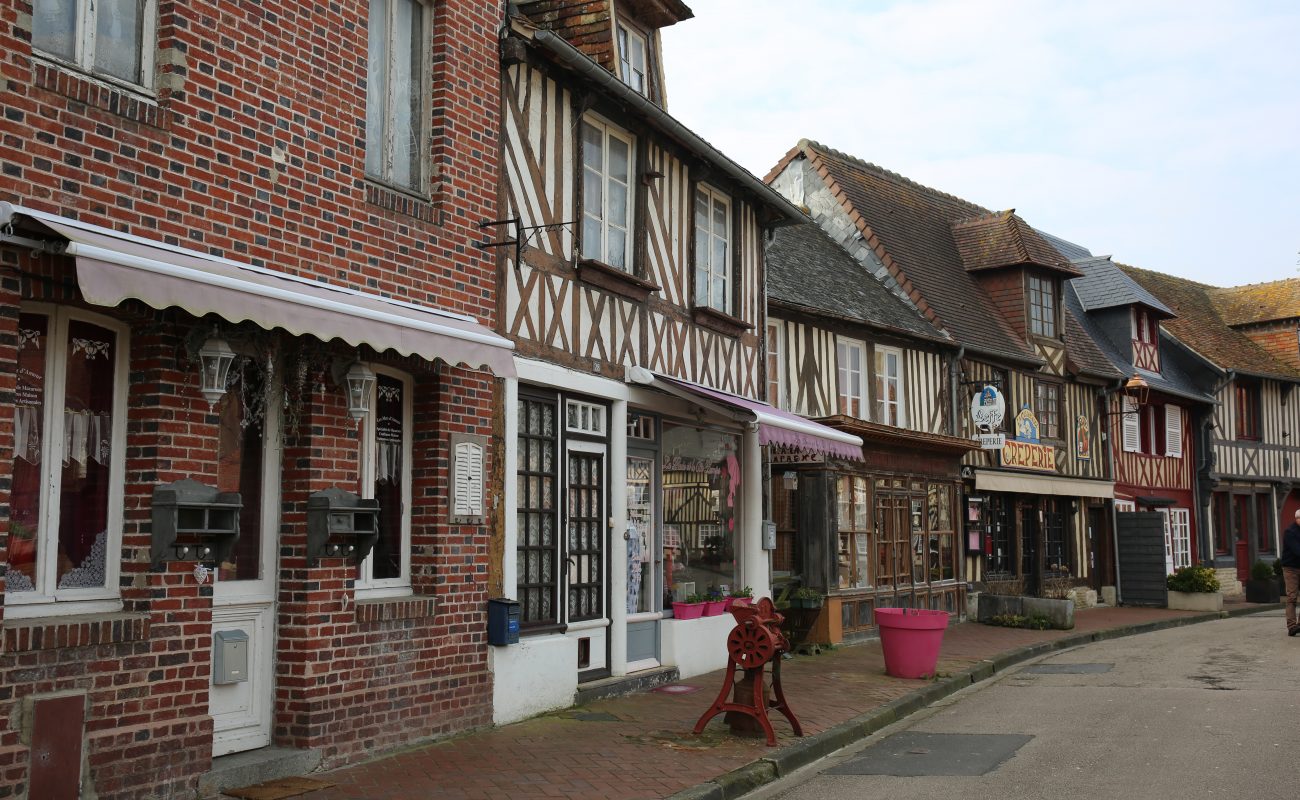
80	630
716	320
388	609
401	201
612	279
132	103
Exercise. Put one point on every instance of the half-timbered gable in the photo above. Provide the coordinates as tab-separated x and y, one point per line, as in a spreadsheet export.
1247	485
993	285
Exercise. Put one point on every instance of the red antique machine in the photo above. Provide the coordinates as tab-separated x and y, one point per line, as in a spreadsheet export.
754	642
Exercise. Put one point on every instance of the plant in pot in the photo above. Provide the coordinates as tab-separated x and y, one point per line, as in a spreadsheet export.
740	597
714	602
1262	586
691	608
1194	588
805	597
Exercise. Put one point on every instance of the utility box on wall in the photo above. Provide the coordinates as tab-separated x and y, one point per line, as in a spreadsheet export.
341	524
229	657
193	522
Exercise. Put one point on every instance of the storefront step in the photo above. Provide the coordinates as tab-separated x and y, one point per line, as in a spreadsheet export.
255	766
624	684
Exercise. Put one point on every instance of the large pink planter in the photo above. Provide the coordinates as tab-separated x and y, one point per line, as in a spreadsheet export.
910	640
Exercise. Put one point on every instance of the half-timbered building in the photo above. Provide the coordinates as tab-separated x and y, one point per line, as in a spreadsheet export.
843	349
631	277
994	285
1153	420
1248	481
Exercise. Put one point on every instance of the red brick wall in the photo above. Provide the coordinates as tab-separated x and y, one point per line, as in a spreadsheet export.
1006	288
1280	339
253	150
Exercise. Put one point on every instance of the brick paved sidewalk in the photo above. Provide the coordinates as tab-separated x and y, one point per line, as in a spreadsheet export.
640	746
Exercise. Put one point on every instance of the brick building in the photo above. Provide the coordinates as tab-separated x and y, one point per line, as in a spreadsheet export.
291	192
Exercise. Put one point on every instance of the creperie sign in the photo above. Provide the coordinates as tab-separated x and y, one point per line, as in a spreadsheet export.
1027	455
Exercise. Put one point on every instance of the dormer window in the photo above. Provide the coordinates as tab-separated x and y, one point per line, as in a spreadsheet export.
1042	307
632	59
1146	337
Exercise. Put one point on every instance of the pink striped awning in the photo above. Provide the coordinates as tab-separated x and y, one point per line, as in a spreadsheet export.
774	425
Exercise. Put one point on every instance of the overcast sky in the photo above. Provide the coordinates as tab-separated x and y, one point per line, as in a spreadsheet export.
1166	134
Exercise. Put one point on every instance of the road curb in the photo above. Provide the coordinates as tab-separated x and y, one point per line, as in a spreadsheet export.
809	749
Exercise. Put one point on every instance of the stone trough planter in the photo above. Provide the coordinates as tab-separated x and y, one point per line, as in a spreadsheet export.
1060	612
1195	601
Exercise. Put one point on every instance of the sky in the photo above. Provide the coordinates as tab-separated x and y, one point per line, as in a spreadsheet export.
1164	134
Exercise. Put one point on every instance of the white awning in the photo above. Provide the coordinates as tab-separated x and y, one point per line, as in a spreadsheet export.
1028	483
112	267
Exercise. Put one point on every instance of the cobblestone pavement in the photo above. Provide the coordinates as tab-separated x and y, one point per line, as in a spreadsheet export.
641	745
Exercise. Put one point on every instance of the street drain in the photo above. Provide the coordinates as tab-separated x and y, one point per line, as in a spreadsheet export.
913	755
1068	669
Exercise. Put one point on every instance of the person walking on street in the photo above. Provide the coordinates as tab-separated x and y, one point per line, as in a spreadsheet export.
1291	571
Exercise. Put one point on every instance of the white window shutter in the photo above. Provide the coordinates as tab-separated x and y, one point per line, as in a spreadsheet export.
1132	422
1174	431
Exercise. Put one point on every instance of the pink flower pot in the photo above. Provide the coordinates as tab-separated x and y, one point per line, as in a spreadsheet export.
688	610
714	607
910	640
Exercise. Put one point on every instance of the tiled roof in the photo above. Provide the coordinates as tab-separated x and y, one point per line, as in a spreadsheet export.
806	268
909	225
1003	239
1104	285
1258	302
1200	326
1171	378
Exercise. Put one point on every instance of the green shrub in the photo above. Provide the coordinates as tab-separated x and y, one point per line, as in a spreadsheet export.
1038	622
1007	620
1193	579
743	591
1261	571
805	593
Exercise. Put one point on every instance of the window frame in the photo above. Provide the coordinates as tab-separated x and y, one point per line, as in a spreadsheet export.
710	270
85	34
626	35
554	586
859	563
1043	296
863	399
880	354
75	601
1057	414
1246	397
607	130
366	585
425	85
776	364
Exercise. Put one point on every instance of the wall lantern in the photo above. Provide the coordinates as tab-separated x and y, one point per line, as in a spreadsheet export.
1137	389
360	383
215	358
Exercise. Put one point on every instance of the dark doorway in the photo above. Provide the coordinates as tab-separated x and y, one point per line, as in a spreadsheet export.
1030	531
1102	548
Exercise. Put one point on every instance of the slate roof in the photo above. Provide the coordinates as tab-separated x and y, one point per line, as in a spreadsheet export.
911	226
1258	302
1082	348
1201	328
1104	285
1066	248
806	268
1172	378
1003	239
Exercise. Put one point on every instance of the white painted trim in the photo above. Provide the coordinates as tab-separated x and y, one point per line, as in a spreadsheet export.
510	494
366	586
617	583
587	625
545	374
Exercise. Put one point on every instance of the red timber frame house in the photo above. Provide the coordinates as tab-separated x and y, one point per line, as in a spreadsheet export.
246	346
1153	417
994	286
1249	460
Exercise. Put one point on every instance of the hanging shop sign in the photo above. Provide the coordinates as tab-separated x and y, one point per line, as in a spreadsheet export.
987	410
1027	425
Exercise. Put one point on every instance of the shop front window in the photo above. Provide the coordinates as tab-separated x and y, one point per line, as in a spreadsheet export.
854	533
1057	553
701	509
240	439
943	536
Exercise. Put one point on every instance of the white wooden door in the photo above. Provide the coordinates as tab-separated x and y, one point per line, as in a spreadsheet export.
243	596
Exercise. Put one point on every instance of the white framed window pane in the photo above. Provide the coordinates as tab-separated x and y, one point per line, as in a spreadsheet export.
54	27
389	471
25	509
618	206
624	57
376	85
593	147
719	218
406	93
619	160
591	232
118	27
617	250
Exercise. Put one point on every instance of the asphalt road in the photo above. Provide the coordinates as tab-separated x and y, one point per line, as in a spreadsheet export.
1203	711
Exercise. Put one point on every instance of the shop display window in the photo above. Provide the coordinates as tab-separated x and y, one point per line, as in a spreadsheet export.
701	509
